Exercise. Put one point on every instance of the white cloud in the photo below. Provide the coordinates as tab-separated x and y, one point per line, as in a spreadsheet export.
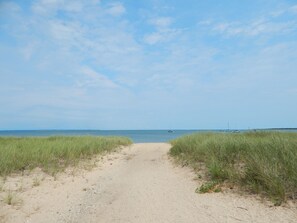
164	32
65	30
161	22
153	38
9	7
221	27
205	22
271	23
284	10
255	28
48	7
161	36
116	9
96	79
74	6
28	50
293	9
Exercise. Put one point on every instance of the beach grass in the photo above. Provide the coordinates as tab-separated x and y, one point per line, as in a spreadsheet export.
52	154
261	162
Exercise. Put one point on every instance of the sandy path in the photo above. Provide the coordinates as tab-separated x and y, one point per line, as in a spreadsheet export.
139	184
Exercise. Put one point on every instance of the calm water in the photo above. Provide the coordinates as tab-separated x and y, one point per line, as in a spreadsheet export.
137	136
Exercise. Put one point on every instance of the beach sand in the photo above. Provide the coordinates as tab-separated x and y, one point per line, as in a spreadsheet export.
137	184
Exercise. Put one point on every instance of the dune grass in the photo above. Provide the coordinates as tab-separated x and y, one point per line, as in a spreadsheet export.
52	154
262	162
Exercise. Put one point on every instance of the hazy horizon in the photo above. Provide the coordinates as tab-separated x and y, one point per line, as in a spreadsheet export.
3	130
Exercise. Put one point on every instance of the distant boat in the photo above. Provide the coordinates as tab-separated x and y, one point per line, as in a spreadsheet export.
170	131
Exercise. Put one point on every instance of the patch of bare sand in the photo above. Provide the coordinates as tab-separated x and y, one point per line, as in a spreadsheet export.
137	184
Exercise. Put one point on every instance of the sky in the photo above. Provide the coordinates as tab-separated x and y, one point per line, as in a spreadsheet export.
153	64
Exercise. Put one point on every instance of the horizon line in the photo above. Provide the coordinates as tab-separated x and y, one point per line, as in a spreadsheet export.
163	129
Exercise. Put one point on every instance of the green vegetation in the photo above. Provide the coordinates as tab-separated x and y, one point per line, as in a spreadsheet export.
52	154
36	182
11	198
262	162
208	187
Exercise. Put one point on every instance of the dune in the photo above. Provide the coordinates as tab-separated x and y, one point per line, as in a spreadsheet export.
137	184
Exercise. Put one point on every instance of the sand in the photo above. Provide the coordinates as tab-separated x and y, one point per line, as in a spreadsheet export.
138	184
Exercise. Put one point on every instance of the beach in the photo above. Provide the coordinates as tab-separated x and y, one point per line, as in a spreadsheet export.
139	183
148	111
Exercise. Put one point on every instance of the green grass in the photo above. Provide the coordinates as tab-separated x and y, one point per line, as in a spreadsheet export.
52	154
208	187
262	162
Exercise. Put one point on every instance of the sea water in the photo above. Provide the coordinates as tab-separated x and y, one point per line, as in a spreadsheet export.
137	136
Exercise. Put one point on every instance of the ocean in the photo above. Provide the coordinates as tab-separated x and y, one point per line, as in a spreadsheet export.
138	136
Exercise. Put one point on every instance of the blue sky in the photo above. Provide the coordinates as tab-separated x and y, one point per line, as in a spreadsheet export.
154	64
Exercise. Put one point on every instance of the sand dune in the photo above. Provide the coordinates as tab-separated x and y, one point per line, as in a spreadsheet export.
137	184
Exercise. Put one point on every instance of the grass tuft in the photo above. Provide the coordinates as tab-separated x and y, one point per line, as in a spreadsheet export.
11	198
36	182
262	162
210	186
